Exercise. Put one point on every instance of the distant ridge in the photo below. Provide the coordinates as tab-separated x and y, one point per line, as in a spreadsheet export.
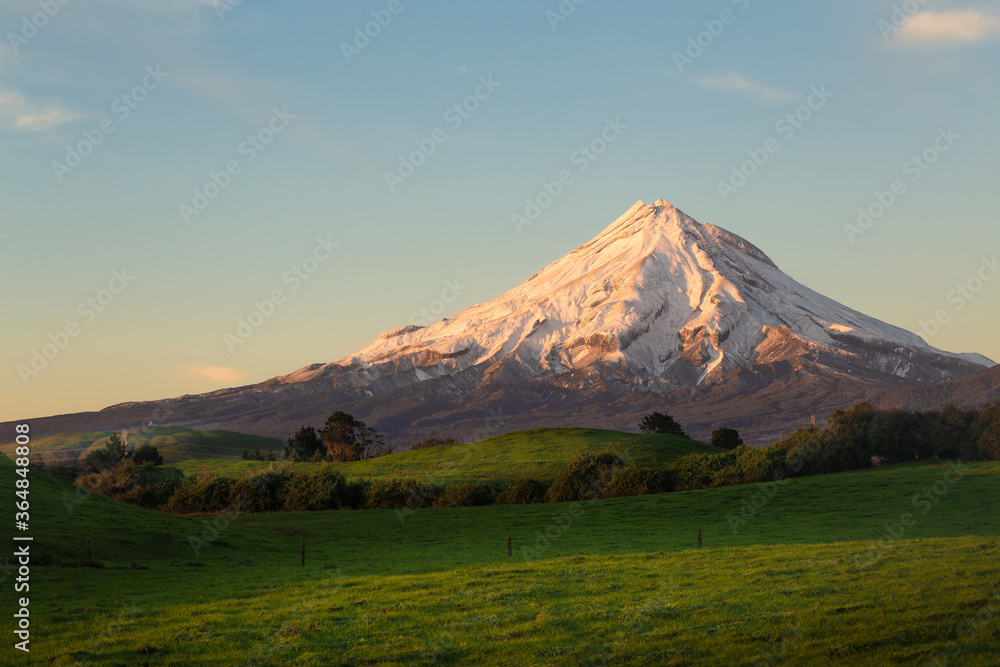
968	392
658	311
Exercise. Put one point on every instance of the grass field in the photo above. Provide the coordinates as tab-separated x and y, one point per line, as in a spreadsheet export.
538	454
174	442
803	581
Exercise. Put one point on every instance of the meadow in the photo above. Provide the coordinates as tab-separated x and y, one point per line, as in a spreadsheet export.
536	454
175	443
826	569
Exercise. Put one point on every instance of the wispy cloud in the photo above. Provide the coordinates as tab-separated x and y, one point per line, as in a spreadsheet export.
17	112
217	374
737	83
952	26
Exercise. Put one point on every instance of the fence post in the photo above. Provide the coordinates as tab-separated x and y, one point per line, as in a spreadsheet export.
699	538
508	547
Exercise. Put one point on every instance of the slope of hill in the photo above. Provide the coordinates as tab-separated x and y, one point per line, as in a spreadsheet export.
175	443
804	580
968	392
537	454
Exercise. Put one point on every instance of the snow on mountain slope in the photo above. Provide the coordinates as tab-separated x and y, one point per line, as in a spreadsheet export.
668	299
657	311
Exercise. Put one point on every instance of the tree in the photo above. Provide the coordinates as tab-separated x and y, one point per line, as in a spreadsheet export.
115	452
989	432
660	423
854	423
895	435
303	445
148	454
727	438
951	433
350	439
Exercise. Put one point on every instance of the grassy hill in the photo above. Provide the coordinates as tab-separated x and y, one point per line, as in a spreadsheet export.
803	581
538	454
174	442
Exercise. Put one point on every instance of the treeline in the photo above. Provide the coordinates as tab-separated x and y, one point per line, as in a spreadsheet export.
343	438
858	438
601	475
855	439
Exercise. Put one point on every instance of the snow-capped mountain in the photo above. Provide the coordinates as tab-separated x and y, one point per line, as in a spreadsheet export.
657	312
662	297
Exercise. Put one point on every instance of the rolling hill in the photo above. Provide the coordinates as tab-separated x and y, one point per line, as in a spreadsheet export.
537	454
175	443
806	580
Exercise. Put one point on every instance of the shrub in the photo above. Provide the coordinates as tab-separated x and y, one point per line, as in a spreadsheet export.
584	478
633	481
743	465
398	493
260	492
205	493
522	491
259	455
140	484
319	490
465	495
148	454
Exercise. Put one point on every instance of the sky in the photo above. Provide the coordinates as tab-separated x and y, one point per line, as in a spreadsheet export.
199	194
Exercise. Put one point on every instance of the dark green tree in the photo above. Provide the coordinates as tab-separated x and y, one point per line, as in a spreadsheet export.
854	423
148	454
350	439
114	453
951	433
988	424
657	422
727	438
896	435
303	445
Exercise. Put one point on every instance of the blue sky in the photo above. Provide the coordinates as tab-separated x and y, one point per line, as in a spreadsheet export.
311	218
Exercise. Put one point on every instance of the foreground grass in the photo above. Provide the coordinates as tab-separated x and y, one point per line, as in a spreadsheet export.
754	605
538	454
803	580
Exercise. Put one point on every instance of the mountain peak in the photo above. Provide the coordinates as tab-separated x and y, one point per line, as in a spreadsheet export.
672	300
645	227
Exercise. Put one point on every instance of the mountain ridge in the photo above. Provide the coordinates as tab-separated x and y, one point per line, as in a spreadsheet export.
658	311
652	275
